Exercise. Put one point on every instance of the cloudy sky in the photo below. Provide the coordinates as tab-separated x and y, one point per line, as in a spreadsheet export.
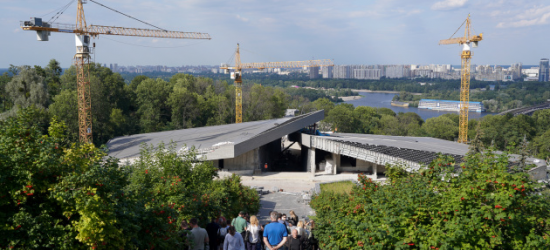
350	32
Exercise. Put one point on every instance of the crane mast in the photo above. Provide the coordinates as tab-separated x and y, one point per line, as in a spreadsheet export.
237	75
466	57
238	87
82	64
81	59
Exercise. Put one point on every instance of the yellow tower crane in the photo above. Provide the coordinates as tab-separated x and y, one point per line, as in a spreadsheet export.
83	33
466	56
237	75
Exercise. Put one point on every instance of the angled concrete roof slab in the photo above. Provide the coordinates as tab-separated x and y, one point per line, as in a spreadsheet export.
216	142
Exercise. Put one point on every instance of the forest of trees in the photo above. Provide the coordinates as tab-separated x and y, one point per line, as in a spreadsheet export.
143	105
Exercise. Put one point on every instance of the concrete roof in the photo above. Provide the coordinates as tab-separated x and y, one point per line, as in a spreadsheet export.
216	142
429	144
416	149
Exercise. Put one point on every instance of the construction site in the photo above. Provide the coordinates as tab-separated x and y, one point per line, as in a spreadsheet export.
288	144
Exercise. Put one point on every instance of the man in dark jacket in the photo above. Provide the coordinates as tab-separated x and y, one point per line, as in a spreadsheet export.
212	230
295	241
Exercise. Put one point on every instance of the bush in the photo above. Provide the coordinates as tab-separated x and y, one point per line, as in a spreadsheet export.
482	206
71	196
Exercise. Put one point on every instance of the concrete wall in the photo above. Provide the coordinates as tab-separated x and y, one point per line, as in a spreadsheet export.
363	166
247	161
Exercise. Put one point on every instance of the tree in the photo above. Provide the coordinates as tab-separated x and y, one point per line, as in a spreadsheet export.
5	102
477	204
385	111
441	127
542	120
153	108
27	89
342	119
59	195
541	145
364	116
136	81
409	124
64	107
184	107
53	81
108	94
323	104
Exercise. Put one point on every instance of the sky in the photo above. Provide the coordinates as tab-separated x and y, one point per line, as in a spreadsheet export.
349	32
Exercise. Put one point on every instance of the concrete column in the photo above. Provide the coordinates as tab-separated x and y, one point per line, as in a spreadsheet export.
375	171
312	166
337	163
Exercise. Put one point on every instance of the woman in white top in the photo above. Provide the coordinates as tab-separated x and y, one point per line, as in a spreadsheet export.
301	228
233	240
254	242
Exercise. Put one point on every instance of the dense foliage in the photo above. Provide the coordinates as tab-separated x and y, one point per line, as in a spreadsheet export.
137	106
477	204
55	194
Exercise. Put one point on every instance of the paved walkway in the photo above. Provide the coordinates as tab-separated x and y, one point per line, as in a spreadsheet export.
282	202
292	184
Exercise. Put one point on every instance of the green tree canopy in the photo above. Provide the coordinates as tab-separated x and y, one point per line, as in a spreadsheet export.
441	127
478	204
27	89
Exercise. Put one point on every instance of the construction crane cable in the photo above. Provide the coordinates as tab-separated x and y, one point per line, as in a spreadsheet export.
58	9
139	45
60	12
127	15
458	29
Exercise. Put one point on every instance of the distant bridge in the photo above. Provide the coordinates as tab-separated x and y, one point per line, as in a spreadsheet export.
527	110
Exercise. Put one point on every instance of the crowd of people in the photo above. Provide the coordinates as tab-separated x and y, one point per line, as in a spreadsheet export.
245	232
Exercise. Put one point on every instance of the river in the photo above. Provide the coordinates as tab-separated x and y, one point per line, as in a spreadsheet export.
383	100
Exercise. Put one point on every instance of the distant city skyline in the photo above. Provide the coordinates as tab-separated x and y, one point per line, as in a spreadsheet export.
350	32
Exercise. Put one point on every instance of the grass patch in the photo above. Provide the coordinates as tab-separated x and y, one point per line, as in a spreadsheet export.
342	187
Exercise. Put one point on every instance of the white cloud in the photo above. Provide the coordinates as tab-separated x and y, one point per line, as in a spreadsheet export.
448	4
244	19
538	15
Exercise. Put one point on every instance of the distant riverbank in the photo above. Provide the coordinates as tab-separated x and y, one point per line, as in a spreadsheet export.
379	99
350	98
381	91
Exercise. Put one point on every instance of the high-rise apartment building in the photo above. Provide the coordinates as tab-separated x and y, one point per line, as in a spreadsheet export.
543	70
366	74
341	71
313	72
395	71
327	72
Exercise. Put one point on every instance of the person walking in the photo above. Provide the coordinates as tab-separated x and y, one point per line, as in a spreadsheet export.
239	223
233	240
254	242
222	232
293	218
275	234
295	241
199	235
283	220
302	231
212	230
